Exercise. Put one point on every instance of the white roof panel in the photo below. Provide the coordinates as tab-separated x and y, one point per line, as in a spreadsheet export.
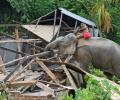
43	31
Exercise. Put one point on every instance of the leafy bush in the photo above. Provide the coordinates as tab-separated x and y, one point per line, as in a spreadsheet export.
4	95
116	79
93	91
96	72
65	96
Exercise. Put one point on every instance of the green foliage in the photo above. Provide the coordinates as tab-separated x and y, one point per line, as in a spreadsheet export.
28	10
32	9
96	72
110	87
93	91
3	92
116	79
65	96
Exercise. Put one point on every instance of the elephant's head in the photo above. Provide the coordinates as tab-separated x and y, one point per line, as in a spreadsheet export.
65	45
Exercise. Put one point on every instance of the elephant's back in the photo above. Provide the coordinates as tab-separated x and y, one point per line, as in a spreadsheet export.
104	51
102	42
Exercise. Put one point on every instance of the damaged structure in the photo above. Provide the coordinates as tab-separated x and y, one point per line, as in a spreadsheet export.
27	69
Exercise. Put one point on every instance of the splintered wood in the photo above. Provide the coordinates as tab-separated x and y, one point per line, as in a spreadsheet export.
48	78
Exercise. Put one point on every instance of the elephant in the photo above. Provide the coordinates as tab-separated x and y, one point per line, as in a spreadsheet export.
102	53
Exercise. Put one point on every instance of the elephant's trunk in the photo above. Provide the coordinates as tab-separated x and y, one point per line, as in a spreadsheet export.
54	44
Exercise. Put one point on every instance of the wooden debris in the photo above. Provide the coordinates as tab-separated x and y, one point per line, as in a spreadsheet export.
21	83
44	87
66	87
27	57
19	41
46	69
2	68
19	72
68	74
23	60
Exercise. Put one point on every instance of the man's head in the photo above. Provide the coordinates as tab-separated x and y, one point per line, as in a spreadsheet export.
83	27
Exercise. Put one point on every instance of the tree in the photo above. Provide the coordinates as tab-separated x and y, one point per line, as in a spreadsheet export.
101	9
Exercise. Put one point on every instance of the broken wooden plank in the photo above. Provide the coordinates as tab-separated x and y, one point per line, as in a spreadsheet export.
19	40
23	60
47	70
10	25
18	44
44	87
68	73
19	72
4	48
21	83
68	65
27	57
56	84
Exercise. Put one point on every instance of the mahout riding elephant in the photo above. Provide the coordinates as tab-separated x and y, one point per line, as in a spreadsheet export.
102	53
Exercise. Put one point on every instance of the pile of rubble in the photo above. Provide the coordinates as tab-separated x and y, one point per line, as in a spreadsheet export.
39	73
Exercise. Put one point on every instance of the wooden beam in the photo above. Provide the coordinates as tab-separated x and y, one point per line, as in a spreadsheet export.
68	73
21	71
76	22
56	84
10	25
2	68
55	13
21	83
68	65
59	25
46	88
41	17
13	51
27	57
19	40
67	25
47	70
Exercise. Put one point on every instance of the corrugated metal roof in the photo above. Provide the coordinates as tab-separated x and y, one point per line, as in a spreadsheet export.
43	31
79	18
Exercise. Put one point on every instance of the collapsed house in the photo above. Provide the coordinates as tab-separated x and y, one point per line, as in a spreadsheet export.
32	72
57	23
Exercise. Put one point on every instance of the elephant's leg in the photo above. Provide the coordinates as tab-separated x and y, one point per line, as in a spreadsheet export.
116	70
77	78
83	57
109	75
81	77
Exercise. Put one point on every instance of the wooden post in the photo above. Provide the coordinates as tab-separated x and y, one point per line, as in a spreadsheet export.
55	14
75	25
38	22
59	25
18	44
2	68
34	48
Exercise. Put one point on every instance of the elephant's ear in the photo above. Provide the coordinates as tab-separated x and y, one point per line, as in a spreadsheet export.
68	44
